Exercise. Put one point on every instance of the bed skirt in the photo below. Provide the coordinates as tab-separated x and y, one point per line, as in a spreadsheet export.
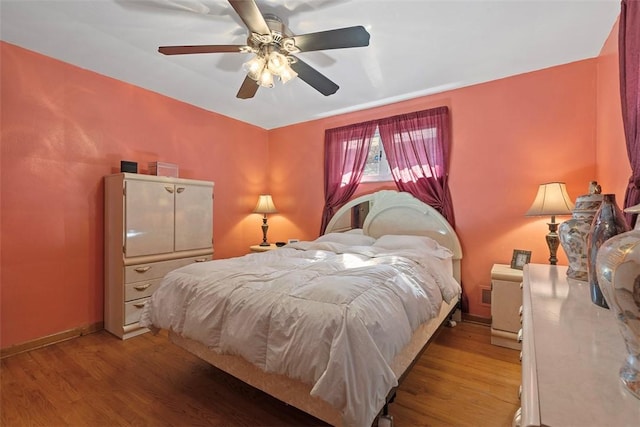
297	393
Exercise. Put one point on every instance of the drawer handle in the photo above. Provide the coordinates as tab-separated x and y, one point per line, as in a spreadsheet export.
520	335
520	392
139	304
180	189
520	311
517	418
143	269
169	189
200	260
142	287
521	356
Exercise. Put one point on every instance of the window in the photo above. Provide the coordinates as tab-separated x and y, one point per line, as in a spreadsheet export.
424	161
377	168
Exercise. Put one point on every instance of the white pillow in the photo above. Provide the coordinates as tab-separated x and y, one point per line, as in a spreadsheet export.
398	241
355	231
405	243
348	239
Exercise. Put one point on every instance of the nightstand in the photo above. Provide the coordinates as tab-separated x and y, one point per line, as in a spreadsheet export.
506	302
258	248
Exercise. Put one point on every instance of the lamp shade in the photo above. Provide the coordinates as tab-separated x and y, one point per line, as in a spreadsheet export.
265	205
552	199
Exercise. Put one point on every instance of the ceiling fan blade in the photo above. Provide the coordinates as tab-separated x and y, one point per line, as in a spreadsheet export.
314	78
212	48
248	89
251	16
333	39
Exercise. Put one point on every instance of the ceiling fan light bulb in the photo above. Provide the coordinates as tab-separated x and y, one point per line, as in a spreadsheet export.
254	67
266	79
287	74
277	63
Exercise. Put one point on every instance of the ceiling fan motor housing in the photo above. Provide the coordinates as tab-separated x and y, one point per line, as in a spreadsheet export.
279	40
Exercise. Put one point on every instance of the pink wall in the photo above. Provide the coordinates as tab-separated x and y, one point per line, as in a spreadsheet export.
509	136
614	169
63	129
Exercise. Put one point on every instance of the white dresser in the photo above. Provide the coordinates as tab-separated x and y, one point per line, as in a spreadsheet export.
152	225
571	353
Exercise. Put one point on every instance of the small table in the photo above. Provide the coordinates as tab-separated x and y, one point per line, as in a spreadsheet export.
259	248
506	302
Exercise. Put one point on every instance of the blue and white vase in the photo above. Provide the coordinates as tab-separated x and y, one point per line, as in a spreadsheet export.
573	233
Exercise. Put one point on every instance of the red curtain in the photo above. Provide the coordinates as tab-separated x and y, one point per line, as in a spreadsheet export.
345	156
417	148
629	51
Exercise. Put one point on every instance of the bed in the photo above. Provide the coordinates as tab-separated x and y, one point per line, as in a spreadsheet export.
329	326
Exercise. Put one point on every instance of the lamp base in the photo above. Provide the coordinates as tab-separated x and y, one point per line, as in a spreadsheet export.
265	227
553	241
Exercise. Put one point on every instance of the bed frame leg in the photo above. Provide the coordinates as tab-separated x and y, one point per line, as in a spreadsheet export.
386	420
454	317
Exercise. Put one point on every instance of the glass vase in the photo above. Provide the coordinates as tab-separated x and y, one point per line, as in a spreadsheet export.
608	221
618	271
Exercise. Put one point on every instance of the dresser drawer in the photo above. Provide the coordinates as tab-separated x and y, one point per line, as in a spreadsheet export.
137	290
157	270
133	310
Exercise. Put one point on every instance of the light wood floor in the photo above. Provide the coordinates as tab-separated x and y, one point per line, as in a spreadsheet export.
98	380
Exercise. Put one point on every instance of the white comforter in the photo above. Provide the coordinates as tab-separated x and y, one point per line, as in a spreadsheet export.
328	314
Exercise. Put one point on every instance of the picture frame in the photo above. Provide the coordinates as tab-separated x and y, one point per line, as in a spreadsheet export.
520	258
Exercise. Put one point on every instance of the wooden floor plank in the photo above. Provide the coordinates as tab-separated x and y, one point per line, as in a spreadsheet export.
99	380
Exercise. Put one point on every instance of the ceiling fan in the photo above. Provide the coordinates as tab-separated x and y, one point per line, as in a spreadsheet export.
274	45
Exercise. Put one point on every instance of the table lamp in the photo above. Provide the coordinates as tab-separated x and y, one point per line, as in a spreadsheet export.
265	206
552	199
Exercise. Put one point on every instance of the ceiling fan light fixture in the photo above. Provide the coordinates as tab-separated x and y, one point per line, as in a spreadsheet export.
264	65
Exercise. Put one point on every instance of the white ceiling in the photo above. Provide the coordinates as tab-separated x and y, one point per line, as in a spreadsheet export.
416	47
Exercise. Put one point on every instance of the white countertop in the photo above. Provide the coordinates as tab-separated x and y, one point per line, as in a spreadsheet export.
578	353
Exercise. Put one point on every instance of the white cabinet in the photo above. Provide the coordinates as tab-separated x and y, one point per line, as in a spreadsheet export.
571	354
152	225
163	216
506	301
